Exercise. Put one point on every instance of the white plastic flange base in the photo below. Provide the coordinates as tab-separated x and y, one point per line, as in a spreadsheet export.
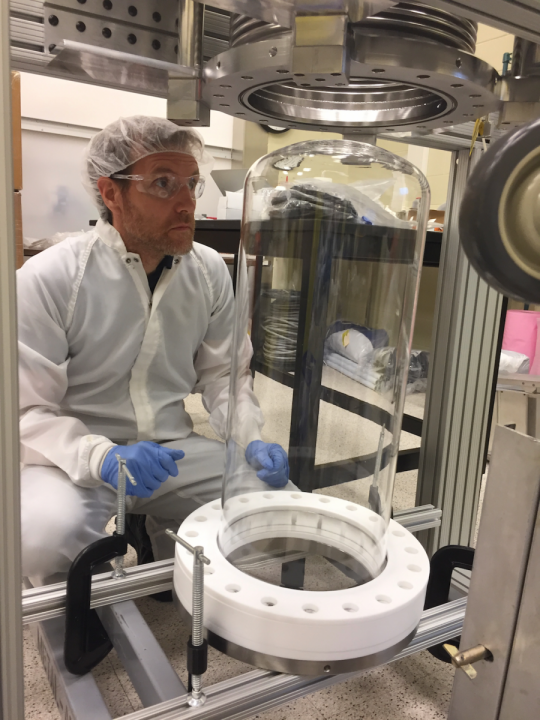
300	631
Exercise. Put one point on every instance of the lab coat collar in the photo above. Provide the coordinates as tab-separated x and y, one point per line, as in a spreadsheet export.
113	239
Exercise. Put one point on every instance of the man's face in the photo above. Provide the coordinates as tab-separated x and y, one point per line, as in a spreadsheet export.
164	225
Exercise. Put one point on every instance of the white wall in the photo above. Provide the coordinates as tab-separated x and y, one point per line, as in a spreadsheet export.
53	198
57	100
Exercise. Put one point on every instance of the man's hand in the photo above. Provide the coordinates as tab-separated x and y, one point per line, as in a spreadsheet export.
148	462
270	459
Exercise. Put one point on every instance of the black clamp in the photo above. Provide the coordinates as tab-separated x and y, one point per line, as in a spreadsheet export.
86	643
443	563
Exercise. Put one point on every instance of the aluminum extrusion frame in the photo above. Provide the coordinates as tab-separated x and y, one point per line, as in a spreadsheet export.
260	690
455	427
11	661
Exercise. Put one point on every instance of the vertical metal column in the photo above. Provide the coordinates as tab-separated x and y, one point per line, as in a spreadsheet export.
190	30
502	607
11	664
184	103
463	357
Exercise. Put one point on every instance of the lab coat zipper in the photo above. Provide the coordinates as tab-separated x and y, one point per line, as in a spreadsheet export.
138	387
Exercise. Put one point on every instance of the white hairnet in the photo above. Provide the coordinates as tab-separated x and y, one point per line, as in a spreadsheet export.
127	140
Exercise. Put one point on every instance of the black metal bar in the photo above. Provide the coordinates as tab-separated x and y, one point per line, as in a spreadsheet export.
342	471
359	407
274	373
504	308
257	334
235	272
412	424
408	460
318	252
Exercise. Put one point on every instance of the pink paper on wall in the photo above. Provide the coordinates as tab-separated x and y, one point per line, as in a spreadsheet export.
520	333
535	365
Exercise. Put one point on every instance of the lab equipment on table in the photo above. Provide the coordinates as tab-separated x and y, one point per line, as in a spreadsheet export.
315	577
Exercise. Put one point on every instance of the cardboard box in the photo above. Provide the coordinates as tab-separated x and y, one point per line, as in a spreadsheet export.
16	130
17	208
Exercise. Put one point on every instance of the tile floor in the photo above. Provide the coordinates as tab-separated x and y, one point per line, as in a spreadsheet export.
417	688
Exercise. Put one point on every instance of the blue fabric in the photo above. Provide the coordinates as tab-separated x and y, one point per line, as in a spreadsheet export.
270	459
149	463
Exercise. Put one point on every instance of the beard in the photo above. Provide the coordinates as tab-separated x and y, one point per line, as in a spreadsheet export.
146	234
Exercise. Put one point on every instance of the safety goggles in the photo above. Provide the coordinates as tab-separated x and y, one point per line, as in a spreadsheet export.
165	185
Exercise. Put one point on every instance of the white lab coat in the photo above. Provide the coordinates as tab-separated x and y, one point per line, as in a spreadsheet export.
102	361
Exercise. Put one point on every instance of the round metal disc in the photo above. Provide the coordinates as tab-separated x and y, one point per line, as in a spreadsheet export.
499	221
393	84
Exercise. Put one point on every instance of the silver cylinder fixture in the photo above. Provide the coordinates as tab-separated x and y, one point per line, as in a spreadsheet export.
190	33
409	20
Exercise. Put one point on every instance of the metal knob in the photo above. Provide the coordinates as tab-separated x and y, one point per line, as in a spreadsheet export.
464	659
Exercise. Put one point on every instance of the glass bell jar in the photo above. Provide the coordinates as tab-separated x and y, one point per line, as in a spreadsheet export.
329	268
317	576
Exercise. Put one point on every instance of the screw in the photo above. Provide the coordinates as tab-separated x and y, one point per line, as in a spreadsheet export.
123	471
185	544
197	697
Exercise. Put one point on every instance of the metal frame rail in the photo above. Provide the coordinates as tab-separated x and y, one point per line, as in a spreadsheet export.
11	662
44	603
240	697
156	683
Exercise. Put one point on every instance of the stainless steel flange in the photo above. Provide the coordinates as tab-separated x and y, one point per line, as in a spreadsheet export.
394	84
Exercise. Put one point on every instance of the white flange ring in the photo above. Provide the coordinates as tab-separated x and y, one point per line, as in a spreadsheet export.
305	632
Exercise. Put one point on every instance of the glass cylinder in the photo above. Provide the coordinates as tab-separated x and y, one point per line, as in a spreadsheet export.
328	273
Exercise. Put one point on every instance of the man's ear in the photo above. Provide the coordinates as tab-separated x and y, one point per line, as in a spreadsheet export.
111	194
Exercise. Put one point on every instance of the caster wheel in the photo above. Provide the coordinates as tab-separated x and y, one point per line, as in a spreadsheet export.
499	220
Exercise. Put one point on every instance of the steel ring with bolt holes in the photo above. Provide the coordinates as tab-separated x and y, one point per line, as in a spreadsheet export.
394	85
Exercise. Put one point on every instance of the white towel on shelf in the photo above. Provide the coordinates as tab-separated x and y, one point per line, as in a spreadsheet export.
363	373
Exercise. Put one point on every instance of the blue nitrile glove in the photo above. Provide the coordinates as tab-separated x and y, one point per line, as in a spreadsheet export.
149	463
270	459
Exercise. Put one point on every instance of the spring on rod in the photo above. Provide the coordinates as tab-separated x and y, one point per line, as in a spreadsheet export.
409	20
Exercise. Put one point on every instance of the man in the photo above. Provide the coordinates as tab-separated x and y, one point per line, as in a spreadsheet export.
116	327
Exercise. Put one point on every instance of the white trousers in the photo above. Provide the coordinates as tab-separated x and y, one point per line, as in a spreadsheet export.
59	518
